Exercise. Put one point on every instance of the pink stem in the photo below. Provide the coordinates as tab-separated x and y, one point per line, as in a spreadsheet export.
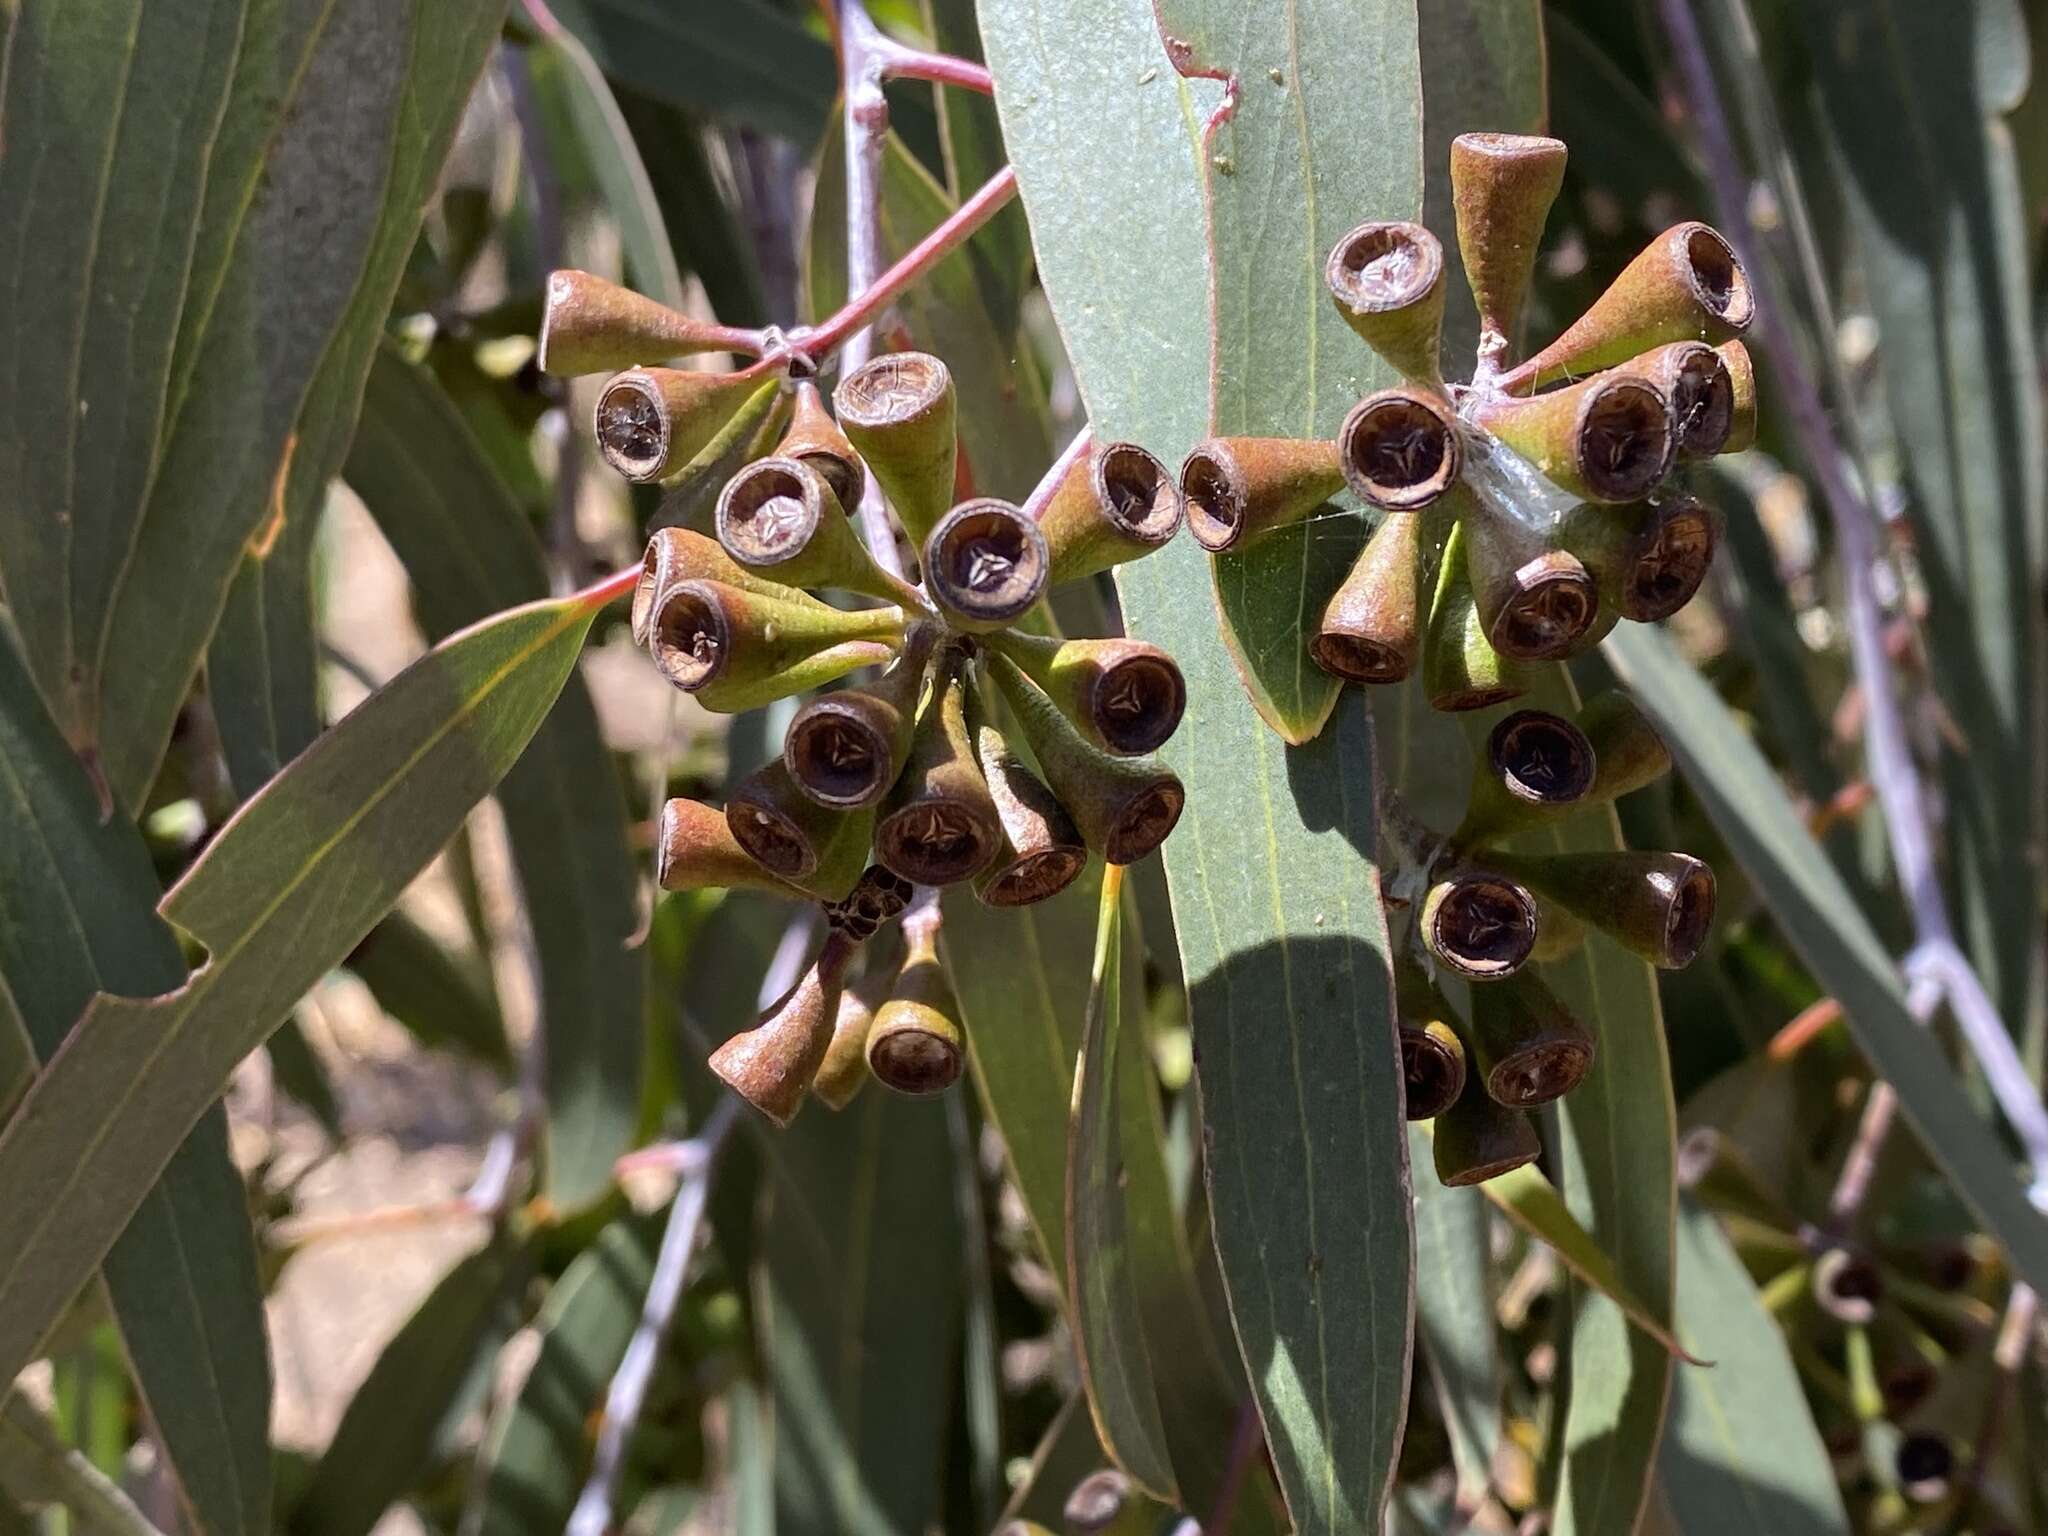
838	328
901	63
613	587
1042	493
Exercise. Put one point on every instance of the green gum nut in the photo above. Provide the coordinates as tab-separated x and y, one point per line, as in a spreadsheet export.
1686	285
695	850
772	1065
844	1070
899	412
1657	905
1478	1139
1239	489
939	824
815	439
589	325
1042	851
986	564
915	1045
1123	806
676	555
1608	438
1371	629
1400	449
1387	280
734	649
1461	670
1117	503
845	749
1536	767
1502	186
1527	1046
819	850
651	422
1123	696
779	518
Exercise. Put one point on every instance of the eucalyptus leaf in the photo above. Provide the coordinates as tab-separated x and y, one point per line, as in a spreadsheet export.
1282	936
77	917
1109	1333
858	1299
261	169
302	873
386	1437
1742	1452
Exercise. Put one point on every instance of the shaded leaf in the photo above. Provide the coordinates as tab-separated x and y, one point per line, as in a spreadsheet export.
226	363
1109	1335
857	1297
1270	868
297	878
703	224
386	1437
972	137
1751	810
1005	439
758	66
1454	1317
537	1452
262	670
563	73
1022	977
470	552
1913	98
77	917
300	1073
1742	1452
1532	1202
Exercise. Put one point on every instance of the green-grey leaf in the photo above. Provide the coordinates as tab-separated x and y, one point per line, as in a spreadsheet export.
264	229
470	552
1109	1333
1914	99
300	875
1454	1318
562	69
77	917
757	66
857	1296
386	1438
1282	936
38	1468
1616	1170
1751	810
1005	440
1022	979
1311	147
1482	72
1742	1453
537	1452
262	666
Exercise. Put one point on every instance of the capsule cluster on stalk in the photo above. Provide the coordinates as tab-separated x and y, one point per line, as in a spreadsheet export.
982	748
1529	511
1490	912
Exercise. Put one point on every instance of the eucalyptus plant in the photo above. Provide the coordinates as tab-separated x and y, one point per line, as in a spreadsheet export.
581	579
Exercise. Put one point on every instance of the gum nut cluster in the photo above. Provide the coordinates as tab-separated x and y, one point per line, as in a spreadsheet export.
1533	509
1489	912
980	747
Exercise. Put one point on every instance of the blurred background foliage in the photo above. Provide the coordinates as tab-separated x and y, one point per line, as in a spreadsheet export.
879	1335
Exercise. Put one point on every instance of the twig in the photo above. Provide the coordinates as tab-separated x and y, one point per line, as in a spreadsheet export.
37	1467
1892	770
847	325
1879	1110
593	1513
